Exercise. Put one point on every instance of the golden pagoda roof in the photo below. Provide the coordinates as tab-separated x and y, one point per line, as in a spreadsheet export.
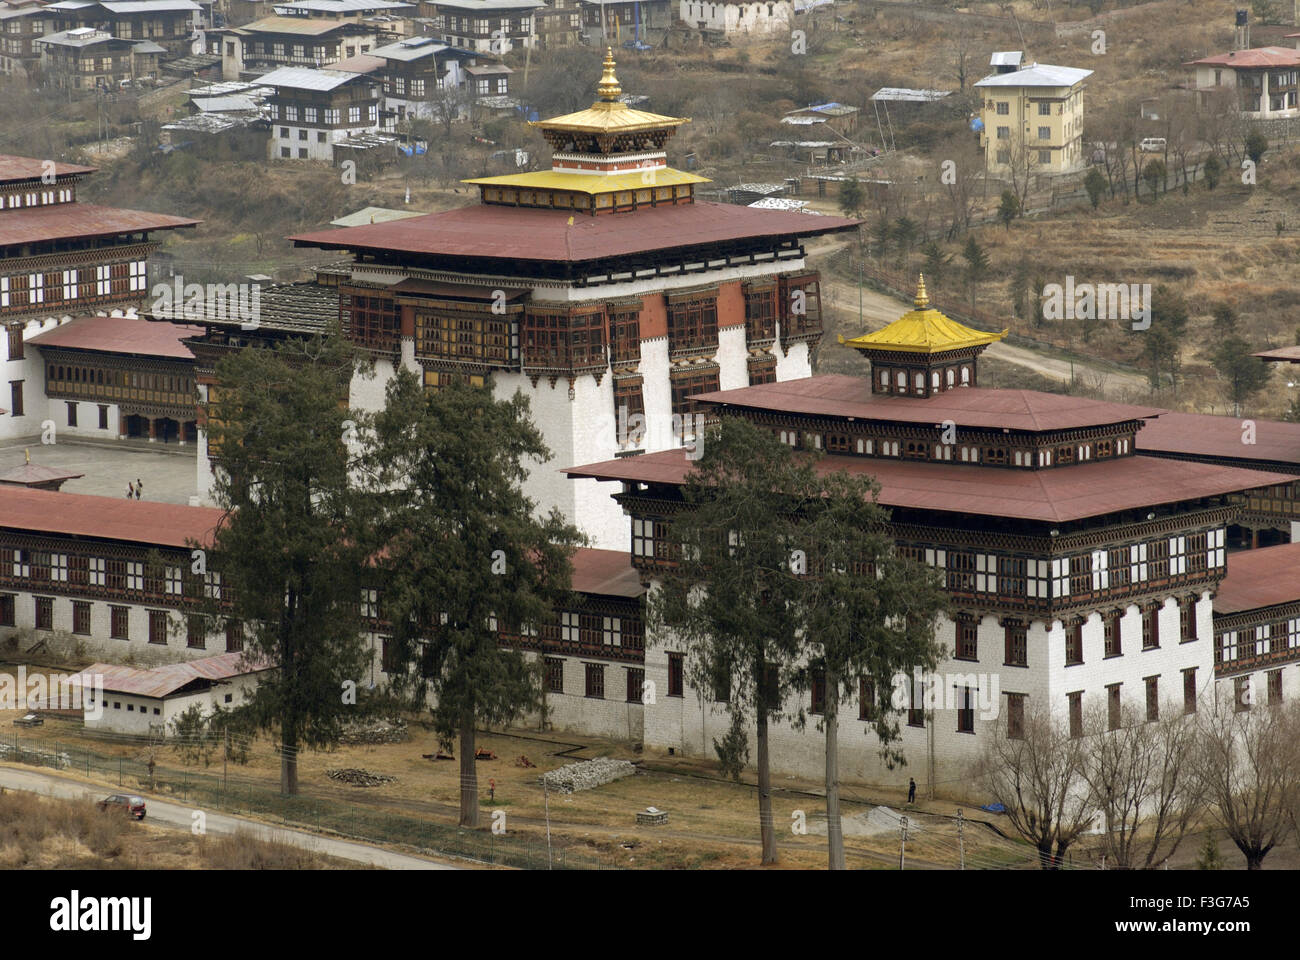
590	183
609	114
923	330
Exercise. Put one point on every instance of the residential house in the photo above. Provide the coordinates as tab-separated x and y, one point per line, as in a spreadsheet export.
1033	118
484	26
312	111
1261	83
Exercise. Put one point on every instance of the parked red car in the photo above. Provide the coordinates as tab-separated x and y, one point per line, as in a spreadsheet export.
131	806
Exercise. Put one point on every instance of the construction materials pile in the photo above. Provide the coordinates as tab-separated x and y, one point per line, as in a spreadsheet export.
358	777
377	730
587	774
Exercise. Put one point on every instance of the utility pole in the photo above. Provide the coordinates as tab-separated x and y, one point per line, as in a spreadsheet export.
961	839
546	802
902	848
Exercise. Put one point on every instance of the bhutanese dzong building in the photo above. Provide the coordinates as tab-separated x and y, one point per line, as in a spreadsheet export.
62	259
601	285
1081	571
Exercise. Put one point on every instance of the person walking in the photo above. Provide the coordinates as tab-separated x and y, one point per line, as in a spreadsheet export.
911	790
130	490
139	487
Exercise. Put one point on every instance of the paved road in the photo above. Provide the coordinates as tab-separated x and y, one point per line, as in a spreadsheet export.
181	817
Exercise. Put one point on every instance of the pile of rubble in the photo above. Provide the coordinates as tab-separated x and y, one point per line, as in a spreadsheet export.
43	758
587	774
358	777
377	730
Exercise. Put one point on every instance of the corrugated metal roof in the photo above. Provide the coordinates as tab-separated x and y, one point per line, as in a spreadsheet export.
29	474
66	221
132	335
518	233
374	215
909	95
841	395
1201	434
1056	495
106	518
160	682
1260	578
1037	75
1281	353
304	78
300	26
1258	57
605	572
29	168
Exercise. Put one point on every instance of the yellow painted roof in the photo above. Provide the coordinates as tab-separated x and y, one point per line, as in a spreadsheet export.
591	183
923	330
606	117
609	114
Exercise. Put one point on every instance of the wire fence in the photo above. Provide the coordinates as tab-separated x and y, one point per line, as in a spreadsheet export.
212	789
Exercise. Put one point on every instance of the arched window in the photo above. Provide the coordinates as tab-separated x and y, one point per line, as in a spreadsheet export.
965	376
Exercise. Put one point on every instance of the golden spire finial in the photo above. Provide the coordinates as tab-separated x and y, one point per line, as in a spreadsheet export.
922	298
609	87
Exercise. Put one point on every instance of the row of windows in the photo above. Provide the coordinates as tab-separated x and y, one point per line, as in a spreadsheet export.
197	628
332	116
1082	574
594	680
60	286
1271	639
36	198
42	566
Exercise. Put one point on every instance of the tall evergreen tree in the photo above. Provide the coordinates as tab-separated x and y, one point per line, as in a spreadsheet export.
868	615
730	599
288	558
1246	374
466	561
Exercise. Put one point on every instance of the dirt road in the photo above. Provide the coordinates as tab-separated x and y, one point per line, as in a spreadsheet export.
182	818
840	297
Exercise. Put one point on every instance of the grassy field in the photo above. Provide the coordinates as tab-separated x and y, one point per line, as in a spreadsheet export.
712	822
42	833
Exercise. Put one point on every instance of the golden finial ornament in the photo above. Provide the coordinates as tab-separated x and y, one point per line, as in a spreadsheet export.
609	87
922	298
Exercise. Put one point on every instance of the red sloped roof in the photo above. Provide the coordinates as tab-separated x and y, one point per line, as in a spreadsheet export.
522	233
32	473
606	572
1280	353
1200	434
29	168
1057	495
106	518
1259	57
841	395
1260	578
68	221
159	682
133	335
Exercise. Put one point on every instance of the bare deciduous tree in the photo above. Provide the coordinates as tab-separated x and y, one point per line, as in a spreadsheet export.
1037	776
1141	781
1248	762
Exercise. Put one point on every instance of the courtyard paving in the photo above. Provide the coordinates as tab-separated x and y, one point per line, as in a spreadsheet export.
167	471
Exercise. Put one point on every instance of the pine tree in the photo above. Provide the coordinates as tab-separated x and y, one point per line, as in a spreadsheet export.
868	613
729	600
466	563
289	553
